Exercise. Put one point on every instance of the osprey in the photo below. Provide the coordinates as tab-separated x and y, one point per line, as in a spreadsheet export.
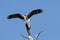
26	18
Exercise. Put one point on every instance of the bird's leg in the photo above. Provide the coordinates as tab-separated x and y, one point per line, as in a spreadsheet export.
24	36
38	35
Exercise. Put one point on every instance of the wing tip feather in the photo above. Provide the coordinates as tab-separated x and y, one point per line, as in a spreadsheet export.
9	17
40	10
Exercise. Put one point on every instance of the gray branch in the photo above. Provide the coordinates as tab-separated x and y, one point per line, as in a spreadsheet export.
24	36
38	35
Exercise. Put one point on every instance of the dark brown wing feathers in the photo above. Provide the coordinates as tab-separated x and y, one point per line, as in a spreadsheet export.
37	11
15	16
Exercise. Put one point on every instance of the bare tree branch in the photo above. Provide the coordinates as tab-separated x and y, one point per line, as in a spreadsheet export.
38	35
24	36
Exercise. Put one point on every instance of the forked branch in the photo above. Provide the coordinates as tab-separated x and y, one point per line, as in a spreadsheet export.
38	35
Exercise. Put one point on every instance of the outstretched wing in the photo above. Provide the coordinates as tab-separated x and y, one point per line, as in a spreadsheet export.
15	16
37	11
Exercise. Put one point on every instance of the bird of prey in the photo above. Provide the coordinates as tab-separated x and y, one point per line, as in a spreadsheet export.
26	18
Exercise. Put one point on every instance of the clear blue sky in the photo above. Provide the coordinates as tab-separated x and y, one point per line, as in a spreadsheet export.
48	21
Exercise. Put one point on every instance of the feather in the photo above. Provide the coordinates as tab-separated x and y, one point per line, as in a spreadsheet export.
15	16
37	11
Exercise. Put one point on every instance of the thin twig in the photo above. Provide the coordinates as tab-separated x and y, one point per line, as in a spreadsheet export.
38	35
24	36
